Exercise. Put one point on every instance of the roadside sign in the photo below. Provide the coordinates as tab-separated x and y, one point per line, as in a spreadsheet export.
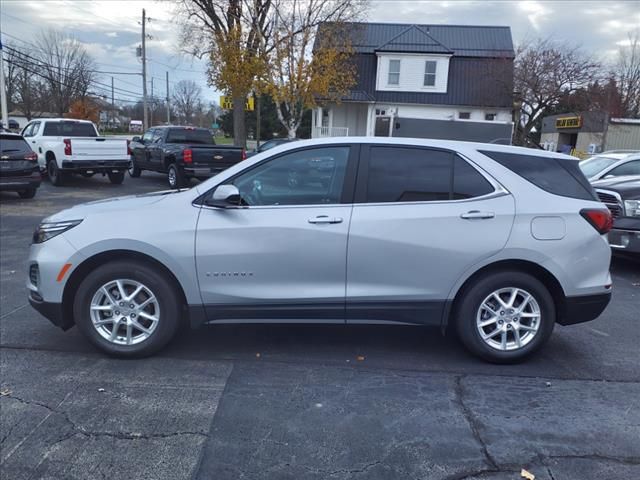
215	126
226	102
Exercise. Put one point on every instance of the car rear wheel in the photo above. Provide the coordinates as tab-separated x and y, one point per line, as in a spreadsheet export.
127	309
27	193
56	177
504	317
175	177
134	170
116	177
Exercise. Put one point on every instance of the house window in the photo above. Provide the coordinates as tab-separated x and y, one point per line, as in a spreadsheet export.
430	73
394	72
490	117
464	115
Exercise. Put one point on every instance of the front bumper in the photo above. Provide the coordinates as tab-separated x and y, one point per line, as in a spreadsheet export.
625	240
95	166
11	183
51	311
583	308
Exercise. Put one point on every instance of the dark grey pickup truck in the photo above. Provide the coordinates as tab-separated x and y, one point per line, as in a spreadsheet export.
182	153
622	196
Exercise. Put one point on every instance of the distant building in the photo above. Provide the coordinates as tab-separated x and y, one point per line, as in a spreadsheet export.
434	81
584	133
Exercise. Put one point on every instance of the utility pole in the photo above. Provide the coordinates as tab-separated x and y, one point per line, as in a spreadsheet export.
257	101
113	105
168	111
145	121
3	92
152	105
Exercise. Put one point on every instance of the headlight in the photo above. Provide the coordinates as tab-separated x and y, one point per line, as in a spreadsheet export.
48	230
632	208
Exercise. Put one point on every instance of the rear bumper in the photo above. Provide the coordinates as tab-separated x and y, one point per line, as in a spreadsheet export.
583	308
204	172
20	182
96	166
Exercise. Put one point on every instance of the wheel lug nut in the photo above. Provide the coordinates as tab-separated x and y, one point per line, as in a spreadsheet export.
133	315
117	312
509	326
131	305
500	322
502	312
121	304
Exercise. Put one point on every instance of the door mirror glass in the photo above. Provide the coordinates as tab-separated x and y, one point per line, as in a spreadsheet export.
135	139
225	196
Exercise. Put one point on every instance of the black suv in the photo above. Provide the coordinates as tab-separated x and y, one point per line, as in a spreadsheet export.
622	196
19	171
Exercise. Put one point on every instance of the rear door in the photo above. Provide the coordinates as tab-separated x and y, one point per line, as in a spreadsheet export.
421	218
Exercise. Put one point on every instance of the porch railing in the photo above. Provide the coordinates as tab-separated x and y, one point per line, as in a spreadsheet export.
331	132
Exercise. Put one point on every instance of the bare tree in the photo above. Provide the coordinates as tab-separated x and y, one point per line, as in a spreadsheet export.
626	73
187	96
24	85
300	75
543	73
66	67
232	33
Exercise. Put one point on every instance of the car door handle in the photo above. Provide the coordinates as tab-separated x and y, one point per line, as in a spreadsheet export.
320	219
477	215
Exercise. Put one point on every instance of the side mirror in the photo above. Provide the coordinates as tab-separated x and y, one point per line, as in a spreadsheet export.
225	196
135	139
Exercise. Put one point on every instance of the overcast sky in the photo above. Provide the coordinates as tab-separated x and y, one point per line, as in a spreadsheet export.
110	29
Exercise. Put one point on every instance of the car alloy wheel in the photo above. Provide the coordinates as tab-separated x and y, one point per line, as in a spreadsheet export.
172	177
508	319
124	312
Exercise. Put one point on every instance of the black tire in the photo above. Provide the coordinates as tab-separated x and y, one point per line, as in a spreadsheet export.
472	298
116	178
157	283
87	175
134	170
56	177
175	177
27	193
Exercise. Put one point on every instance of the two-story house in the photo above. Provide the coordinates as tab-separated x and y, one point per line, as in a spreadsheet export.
429	81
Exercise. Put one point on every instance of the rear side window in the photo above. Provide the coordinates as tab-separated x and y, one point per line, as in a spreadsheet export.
189	135
69	129
553	175
12	144
398	174
467	181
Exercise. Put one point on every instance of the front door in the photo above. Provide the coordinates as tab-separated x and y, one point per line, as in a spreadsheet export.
422	217
282	255
383	126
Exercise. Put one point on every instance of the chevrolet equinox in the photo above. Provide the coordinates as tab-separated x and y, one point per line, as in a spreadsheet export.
498	242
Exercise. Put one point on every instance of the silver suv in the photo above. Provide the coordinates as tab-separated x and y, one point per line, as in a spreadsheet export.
499	242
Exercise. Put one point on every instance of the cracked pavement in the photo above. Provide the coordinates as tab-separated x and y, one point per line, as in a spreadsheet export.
416	407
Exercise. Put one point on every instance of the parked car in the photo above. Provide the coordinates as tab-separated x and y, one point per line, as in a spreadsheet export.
406	231
181	153
11	126
269	144
66	146
622	196
615	163
19	170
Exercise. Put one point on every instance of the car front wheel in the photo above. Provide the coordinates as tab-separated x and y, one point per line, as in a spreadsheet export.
504	317
127	309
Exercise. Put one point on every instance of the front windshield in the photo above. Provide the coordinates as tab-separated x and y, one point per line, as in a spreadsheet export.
594	165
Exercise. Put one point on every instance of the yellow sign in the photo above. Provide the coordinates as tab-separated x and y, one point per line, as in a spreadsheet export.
569	122
227	103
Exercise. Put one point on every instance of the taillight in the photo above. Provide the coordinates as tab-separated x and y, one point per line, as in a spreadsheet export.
32	157
187	156
599	219
244	154
128	147
67	146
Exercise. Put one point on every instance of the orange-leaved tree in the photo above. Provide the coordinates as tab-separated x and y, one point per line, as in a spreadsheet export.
84	109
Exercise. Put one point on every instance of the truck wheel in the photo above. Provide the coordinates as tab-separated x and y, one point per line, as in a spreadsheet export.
28	193
134	170
175	176
116	178
56	177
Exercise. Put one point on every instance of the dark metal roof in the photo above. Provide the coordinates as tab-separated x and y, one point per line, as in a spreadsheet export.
413	39
460	40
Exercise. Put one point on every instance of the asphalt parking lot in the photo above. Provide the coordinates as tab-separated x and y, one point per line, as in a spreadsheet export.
316	402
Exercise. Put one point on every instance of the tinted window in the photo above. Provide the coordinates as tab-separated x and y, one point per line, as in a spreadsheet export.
467	181
157	135
148	136
306	177
69	129
629	168
11	144
554	175
189	135
28	130
404	174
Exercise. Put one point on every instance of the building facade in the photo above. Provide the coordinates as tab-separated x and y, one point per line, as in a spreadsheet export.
585	133
430	81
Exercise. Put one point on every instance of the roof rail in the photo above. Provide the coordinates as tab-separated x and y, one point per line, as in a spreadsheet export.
621	151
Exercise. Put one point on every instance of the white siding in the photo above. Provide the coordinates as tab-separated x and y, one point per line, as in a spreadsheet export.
412	69
446	113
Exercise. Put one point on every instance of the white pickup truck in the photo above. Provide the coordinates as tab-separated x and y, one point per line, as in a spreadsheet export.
66	146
